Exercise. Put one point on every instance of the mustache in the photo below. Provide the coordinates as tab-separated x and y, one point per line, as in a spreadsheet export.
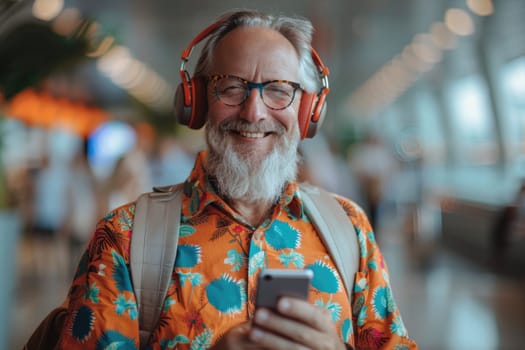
240	125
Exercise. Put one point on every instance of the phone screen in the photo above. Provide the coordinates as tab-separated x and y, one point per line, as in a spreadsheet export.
275	283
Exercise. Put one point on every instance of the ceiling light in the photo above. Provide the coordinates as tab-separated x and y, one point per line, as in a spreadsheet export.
102	48
112	62
459	22
412	61
46	10
442	37
481	7
67	21
424	49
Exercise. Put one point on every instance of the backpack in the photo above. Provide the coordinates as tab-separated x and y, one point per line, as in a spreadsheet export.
155	237
154	248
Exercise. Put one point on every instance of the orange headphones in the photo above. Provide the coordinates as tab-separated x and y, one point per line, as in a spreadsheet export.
191	101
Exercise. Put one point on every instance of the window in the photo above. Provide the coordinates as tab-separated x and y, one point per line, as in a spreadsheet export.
471	122
513	116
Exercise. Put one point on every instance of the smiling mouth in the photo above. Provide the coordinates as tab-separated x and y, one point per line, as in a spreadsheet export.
253	135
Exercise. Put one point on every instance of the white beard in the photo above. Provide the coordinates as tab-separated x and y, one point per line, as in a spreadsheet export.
240	174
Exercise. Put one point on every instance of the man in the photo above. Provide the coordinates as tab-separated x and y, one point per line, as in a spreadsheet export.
241	212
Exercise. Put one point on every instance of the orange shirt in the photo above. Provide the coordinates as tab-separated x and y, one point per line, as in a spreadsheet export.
213	287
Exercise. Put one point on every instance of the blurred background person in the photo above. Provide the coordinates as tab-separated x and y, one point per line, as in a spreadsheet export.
132	173
48	187
375	167
84	204
172	162
336	175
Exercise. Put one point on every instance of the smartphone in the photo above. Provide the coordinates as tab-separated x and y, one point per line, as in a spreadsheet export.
275	283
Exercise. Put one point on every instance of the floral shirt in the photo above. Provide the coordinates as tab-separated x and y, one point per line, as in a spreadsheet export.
215	273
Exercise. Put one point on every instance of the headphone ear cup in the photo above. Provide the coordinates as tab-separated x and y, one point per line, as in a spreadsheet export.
306	109
199	103
181	111
317	119
312	111
193	114
318	113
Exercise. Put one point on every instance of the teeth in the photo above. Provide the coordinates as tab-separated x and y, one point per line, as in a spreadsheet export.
252	135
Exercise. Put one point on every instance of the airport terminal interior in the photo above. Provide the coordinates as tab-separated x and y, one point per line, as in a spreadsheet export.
425	130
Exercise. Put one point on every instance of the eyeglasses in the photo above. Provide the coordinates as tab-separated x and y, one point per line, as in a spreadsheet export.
233	91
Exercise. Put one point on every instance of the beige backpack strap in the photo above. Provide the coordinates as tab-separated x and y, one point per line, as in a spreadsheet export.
336	231
153	251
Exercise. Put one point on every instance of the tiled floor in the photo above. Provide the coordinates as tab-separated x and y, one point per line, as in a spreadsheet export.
40	286
448	302
451	302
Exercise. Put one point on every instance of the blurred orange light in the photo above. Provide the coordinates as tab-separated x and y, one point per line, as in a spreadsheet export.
41	109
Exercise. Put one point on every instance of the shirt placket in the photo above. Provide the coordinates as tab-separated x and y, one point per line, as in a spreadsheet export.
255	260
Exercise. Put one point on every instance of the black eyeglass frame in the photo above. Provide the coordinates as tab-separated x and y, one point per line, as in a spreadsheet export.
250	85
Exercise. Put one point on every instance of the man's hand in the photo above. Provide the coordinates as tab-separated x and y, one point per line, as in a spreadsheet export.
297	325
237	338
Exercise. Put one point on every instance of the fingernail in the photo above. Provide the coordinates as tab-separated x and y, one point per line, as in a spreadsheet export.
283	305
261	316
256	334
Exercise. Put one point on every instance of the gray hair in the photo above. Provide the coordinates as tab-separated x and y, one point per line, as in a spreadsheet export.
297	30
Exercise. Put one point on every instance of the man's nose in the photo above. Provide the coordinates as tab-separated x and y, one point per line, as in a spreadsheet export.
254	109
